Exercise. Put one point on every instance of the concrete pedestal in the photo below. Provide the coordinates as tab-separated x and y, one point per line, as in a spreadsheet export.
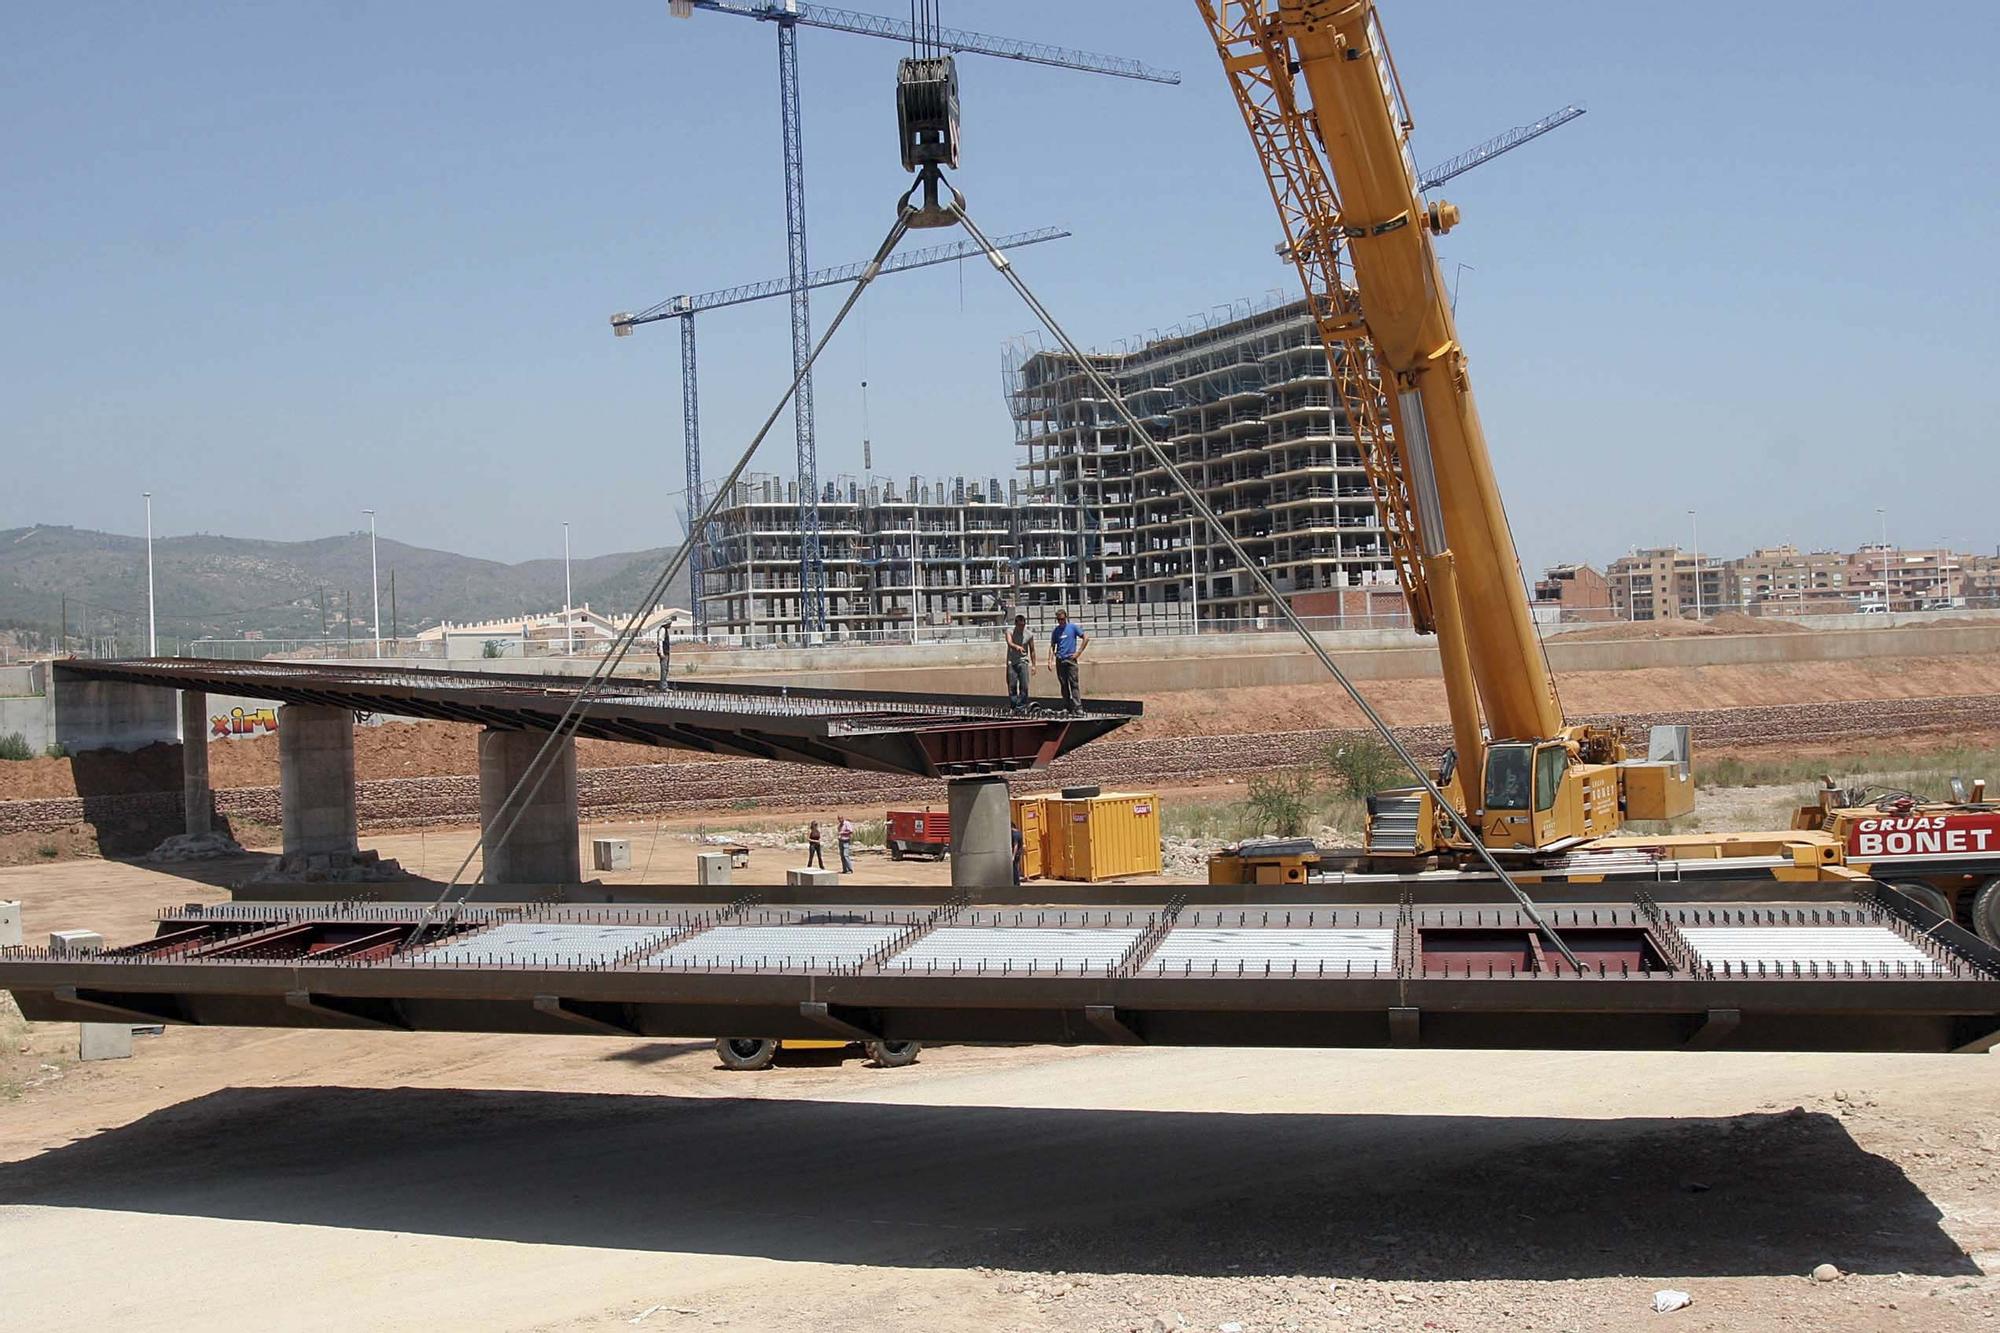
610	853
543	847
316	786
95	1041
10	923
812	877
711	868
982	846
197	802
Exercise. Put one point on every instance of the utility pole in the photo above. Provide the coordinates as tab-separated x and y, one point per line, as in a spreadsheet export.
323	633
393	637
374	581
1194	576
347	618
569	616
152	628
63	643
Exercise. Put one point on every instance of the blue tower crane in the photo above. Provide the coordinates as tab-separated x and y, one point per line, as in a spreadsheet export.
684	308
789	16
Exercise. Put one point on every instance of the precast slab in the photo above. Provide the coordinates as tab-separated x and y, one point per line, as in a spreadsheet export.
804	947
1017	950
549	943
1787	947
1188	951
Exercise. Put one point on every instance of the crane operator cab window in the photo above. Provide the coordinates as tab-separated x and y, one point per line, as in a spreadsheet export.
1509	776
1550	761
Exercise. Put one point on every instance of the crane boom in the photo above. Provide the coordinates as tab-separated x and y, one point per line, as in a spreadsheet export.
1320	95
1500	143
951	39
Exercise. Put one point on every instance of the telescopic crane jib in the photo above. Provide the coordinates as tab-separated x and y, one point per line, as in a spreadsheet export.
1320	95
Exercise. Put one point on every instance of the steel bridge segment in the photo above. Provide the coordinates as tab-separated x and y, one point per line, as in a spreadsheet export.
1872	973
927	735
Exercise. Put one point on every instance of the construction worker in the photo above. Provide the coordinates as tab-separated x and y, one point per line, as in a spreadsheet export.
1020	852
666	647
1066	645
815	852
844	839
1020	661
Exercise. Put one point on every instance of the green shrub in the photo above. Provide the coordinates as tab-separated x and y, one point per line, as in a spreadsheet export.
1284	802
15	746
1363	766
55	750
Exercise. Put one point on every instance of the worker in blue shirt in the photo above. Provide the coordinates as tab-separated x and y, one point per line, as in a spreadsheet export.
1066	645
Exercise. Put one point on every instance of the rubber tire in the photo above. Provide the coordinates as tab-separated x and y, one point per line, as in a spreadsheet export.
895	851
1925	894
1986	911
894	1054
746	1053
1082	793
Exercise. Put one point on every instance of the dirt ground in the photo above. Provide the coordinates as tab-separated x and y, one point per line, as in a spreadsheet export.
246	1180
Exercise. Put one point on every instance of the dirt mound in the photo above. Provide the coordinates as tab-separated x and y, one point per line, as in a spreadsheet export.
1729	622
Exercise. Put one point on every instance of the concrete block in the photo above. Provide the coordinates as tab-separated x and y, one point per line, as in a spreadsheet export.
611	853
104	1041
812	877
10	923
543	847
711	867
75	941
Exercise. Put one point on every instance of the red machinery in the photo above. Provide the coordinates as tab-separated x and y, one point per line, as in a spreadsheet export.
924	832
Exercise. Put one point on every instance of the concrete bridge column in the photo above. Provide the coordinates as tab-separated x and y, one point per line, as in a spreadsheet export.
197	802
543	848
982	840
316	786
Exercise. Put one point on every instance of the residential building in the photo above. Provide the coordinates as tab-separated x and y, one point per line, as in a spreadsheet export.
1666	583
1783	580
1572	594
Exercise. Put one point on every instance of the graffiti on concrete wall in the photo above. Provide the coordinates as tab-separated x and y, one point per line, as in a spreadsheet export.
239	722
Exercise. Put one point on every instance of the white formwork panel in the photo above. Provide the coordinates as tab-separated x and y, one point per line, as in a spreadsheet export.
1876	946
1192	951
558	943
777	946
1026	950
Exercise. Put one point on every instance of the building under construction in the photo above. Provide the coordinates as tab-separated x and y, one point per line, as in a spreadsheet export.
1243	402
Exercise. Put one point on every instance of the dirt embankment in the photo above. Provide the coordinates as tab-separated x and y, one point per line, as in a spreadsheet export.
1729	622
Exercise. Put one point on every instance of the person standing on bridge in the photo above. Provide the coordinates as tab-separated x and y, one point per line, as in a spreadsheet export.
666	646
1020	661
1066	645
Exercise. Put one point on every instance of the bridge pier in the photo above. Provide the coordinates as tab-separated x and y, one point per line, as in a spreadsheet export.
982	840
316	787
543	848
197	802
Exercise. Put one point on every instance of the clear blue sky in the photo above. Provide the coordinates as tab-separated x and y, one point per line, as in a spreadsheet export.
279	263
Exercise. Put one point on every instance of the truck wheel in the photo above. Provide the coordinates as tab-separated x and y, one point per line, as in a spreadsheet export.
894	1054
746	1052
895	851
1986	912
1925	894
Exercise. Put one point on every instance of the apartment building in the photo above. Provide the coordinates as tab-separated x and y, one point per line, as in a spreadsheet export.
1666	583
1783	580
1243	405
1572	594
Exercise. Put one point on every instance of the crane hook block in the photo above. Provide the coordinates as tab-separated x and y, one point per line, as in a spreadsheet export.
927	112
1441	217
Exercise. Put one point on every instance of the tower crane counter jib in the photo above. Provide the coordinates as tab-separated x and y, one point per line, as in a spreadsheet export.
1320	94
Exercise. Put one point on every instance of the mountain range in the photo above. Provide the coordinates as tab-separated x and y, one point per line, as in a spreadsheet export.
223	587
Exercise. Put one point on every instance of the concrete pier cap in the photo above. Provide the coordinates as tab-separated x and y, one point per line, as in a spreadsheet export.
543	847
982	840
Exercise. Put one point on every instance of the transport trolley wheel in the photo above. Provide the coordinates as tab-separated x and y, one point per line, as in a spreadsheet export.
746	1052
1925	894
1986	911
894	1054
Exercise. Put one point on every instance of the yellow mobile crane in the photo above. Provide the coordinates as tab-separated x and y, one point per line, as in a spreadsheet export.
1325	107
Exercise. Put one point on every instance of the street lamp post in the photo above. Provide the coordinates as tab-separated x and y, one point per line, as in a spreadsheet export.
569	616
1695	524
152	622
1882	515
374	581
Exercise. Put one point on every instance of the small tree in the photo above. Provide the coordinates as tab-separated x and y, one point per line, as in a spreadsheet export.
491	648
1363	766
1282	802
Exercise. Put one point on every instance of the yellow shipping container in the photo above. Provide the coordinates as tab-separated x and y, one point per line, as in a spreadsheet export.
1031	817
1103	837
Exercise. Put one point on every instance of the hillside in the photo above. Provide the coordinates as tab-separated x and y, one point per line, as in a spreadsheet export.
209	586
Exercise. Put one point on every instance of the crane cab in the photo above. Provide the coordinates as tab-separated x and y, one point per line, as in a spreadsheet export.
1539	795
